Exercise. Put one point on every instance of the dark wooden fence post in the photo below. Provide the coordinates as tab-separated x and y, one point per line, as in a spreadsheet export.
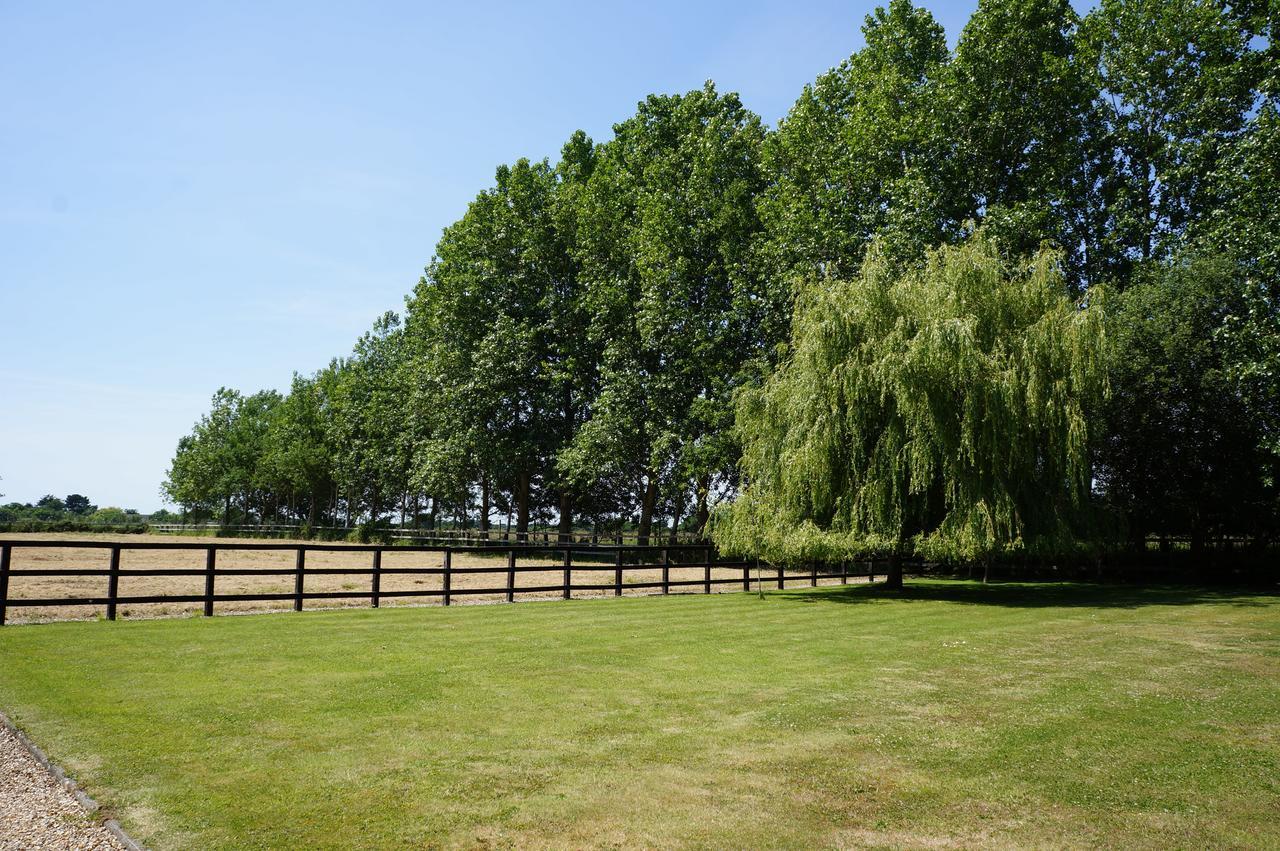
568	573
617	573
871	570
511	576
210	565
666	572
113	583
844	572
376	590
813	574
4	583
706	575
299	566
448	573
746	576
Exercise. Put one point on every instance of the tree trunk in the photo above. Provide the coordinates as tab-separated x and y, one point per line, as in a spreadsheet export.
522	507
566	515
704	511
894	578
676	516
226	510
484	503
646	509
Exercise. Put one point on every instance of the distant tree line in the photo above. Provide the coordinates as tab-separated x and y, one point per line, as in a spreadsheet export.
72	512
1015	297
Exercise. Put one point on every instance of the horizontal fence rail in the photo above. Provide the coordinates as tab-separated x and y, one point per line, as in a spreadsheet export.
611	564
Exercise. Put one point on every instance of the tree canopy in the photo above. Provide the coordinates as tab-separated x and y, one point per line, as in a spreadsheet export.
939	411
883	325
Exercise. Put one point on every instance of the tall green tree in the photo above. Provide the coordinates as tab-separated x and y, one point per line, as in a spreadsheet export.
367	424
665	227
864	151
499	328
298	462
1177	79
1182	454
1018	103
221	460
941	411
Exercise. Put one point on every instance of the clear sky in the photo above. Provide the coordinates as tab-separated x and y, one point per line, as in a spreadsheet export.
195	194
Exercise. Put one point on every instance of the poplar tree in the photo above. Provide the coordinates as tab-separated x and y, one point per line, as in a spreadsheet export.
499	333
864	151
664	234
1018	103
1177	82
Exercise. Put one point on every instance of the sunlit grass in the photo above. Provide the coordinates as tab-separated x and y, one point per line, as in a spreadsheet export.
954	714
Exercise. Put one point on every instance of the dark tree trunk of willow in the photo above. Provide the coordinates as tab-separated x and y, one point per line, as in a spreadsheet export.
894	578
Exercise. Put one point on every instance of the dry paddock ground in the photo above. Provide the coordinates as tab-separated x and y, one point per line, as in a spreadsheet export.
37	587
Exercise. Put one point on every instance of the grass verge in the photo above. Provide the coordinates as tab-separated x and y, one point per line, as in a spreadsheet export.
952	714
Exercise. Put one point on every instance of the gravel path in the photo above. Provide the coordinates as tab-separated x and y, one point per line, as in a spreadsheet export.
37	812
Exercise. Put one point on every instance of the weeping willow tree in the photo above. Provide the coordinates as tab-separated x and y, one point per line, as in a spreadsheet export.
939	412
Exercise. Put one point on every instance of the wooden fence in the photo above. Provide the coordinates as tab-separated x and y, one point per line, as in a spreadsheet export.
612	563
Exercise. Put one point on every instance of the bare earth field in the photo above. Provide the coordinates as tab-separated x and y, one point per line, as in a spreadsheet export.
37	587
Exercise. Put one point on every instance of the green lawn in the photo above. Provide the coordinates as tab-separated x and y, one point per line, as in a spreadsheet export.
952	714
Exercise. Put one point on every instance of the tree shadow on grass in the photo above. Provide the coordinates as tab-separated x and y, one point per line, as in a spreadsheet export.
1036	594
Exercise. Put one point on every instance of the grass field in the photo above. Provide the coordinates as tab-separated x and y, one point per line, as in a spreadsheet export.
950	715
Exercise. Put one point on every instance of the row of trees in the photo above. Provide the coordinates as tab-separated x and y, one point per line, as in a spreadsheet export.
586	333
75	509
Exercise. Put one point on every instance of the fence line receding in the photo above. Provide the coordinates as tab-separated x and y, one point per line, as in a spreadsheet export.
660	568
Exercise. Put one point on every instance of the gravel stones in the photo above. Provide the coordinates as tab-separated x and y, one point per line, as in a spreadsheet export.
38	812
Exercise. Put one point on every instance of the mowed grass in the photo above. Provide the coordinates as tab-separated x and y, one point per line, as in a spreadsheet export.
949	715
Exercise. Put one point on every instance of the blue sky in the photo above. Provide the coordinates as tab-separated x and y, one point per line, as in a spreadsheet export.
195	195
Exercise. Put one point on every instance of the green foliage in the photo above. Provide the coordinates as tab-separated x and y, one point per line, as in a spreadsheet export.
940	411
298	458
112	515
504	367
1184	450
1017	102
664	228
79	504
863	153
576	344
1177	79
221	459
